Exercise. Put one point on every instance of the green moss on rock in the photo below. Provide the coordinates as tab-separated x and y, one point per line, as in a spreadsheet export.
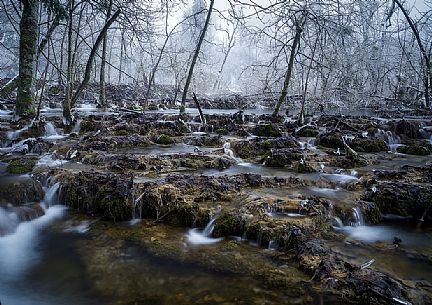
21	166
266	130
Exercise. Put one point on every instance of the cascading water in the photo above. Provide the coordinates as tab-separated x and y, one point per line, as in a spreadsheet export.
198	237
18	248
358	217
51	133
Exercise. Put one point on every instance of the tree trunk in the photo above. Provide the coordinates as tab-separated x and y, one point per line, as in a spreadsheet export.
299	30
425	55
27	57
92	56
13	83
201	113
67	101
194	59
102	88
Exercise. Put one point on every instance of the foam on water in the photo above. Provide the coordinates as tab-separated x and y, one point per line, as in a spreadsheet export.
18	251
203	237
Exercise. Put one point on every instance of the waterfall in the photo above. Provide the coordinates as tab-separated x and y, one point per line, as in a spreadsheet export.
228	151
51	195
77	127
50	130
358	217
203	237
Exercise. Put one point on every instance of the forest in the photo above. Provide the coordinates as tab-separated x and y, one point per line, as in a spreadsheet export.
215	152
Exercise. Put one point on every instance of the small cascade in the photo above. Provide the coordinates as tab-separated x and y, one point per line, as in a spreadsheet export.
8	221
273	245
77	127
358	217
50	130
228	151
51	195
392	140
203	237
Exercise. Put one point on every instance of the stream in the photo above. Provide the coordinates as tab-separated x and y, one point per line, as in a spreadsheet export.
52	254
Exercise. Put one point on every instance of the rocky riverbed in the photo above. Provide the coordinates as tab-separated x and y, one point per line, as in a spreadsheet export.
246	209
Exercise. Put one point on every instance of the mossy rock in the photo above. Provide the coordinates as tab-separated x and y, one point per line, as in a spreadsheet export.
152	107
226	225
407	128
221	131
89	126
266	130
330	139
164	139
304	168
21	166
368	145
415	149
21	190
121	132
307	131
282	157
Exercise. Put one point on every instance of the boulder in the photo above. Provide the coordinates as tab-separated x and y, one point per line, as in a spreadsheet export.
20	190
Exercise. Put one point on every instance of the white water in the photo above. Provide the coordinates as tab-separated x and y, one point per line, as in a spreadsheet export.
230	153
358	217
340	178
48	161
51	133
203	237
18	249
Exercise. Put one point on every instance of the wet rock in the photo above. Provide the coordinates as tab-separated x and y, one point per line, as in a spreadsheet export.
405	128
206	140
307	131
266	130
283	157
20	190
331	139
416	148
368	145
260	147
367	285
166	203
105	194
398	198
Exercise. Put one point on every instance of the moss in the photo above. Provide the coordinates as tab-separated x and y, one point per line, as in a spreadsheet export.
307	131
20	166
303	167
221	131
226	225
152	107
164	139
266	130
415	149
88	126
121	132
369	145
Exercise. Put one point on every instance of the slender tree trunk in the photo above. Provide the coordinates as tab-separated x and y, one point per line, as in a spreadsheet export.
303	103
121	57
67	101
27	58
102	88
194	59
296	42
92	56
201	113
